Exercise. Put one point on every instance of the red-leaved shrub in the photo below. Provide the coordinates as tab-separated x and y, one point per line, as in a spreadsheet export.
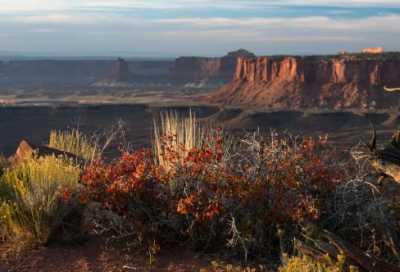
215	195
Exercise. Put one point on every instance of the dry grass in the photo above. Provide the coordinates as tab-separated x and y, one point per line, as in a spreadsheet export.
306	264
74	142
186	131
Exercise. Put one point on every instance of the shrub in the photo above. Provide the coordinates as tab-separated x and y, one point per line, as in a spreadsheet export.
278	182
3	164
30	204
212	196
306	264
74	142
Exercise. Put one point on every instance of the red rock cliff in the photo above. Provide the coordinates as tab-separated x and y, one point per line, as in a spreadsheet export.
289	82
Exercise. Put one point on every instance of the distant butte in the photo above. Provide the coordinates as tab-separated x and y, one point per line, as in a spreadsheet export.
122	72
241	53
121	77
373	50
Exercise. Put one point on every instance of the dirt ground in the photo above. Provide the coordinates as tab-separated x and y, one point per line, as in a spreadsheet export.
93	256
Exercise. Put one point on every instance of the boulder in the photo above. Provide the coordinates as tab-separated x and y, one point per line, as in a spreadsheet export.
26	150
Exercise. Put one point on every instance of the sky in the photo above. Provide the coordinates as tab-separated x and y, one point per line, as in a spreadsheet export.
198	27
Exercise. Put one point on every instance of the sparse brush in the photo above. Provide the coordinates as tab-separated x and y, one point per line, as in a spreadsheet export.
307	264
30	204
3	164
74	142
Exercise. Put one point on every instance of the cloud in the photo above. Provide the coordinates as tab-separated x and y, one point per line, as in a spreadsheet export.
22	6
200	26
61	18
390	22
257	36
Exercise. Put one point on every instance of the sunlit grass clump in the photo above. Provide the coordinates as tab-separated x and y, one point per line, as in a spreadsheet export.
74	142
307	264
30	204
185	130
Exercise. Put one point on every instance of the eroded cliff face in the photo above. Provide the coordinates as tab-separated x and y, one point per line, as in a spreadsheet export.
184	72
288	82
196	67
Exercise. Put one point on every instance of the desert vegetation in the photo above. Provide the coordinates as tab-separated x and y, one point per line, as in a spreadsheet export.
271	200
31	207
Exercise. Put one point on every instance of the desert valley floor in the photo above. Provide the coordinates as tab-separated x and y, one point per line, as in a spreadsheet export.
34	124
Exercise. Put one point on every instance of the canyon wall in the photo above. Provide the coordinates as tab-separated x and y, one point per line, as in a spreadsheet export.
196	67
184	72
74	71
312	82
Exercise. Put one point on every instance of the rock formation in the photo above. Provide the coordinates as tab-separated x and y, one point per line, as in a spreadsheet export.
228	63
197	67
213	72
74	71
26	150
301	82
373	50
121	77
184	72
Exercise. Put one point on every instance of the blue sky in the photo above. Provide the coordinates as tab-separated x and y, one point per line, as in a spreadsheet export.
198	27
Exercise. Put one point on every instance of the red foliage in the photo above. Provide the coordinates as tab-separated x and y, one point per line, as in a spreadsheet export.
204	190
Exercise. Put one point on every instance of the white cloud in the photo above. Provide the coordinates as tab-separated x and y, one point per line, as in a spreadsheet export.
66	27
60	18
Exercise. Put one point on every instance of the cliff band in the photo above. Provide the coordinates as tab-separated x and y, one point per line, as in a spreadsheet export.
312	82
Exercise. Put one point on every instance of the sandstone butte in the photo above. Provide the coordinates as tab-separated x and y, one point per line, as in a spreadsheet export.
306	82
121	72
373	50
120	77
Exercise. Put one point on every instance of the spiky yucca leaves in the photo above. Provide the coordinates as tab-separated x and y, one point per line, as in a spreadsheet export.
30	204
